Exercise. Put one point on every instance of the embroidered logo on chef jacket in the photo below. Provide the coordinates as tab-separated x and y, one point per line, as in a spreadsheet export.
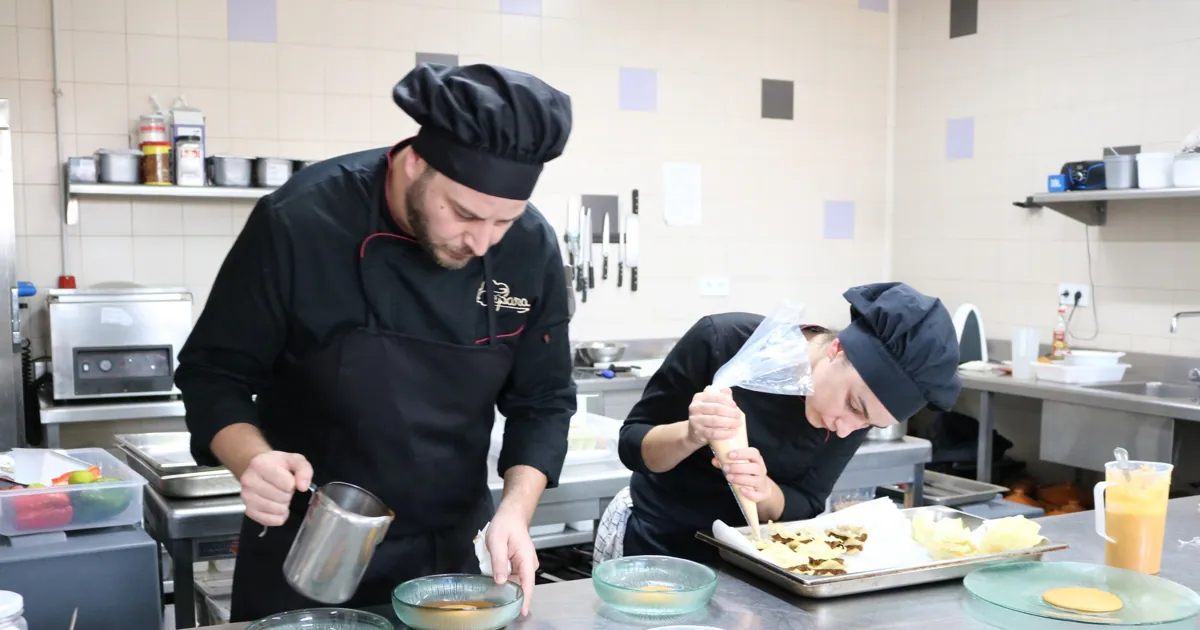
502	297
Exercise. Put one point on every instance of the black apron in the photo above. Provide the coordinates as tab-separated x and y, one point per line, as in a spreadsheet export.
408	419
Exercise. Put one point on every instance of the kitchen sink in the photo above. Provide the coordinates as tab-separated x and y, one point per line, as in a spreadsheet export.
1156	389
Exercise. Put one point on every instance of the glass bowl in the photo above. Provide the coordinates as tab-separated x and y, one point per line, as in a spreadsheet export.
654	586
431	603
323	619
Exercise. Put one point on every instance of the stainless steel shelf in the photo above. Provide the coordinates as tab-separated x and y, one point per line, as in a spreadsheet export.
185	192
1090	207
104	411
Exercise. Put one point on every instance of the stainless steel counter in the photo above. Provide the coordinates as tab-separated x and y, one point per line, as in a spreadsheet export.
1080	395
988	384
745	603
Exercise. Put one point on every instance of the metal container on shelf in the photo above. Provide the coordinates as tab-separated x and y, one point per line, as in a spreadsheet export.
119	166
272	172
231	171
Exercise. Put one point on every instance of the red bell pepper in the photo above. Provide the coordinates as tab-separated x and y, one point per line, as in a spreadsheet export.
41	511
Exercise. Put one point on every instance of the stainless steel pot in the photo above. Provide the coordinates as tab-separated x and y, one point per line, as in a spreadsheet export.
335	543
600	352
230	170
889	434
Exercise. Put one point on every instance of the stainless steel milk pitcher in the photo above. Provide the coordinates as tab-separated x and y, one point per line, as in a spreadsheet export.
336	541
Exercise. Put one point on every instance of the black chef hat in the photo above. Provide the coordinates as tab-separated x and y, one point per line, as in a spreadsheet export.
488	128
904	345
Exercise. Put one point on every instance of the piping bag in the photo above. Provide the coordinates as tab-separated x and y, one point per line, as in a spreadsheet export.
774	360
722	448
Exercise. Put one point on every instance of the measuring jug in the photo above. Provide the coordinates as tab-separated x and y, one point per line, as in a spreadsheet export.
1131	514
336	541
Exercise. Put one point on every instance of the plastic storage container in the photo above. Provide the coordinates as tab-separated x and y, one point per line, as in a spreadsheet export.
1120	171
83	506
1155	170
12	611
1079	374
1092	357
1186	171
591	439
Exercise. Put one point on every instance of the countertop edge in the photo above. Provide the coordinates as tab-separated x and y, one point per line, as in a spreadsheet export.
1079	395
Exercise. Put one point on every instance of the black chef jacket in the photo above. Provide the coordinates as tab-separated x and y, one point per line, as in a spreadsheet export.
290	284
669	508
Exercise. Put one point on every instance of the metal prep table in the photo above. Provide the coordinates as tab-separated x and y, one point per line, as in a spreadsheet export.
206	529
742	601
200	529
988	384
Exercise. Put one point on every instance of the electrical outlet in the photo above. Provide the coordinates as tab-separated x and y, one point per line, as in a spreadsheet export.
714	286
1067	291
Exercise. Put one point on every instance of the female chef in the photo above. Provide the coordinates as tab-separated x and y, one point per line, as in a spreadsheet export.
899	354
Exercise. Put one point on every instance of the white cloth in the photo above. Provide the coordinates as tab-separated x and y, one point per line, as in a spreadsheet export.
610	533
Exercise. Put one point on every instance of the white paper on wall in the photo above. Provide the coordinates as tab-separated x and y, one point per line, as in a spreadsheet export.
681	193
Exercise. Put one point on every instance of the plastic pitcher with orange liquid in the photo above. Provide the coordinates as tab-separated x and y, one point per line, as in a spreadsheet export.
1131	514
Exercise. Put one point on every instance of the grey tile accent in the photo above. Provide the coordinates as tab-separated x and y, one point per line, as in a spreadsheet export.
251	20
964	18
442	58
1129	149
778	99
521	7
601	205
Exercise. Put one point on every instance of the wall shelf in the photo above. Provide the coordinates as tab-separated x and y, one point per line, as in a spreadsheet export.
178	192
77	191
1090	207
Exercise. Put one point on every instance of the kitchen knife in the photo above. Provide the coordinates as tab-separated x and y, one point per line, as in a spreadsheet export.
585	260
633	235
632	244
591	240
620	247
604	249
572	238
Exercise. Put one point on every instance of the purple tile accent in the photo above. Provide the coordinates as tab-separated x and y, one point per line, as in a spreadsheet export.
251	20
639	89
874	5
839	220
521	7
960	138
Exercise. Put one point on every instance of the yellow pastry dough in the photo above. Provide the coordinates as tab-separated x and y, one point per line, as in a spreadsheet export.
1082	599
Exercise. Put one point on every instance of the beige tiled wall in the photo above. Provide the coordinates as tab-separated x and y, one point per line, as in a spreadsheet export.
324	89
1048	81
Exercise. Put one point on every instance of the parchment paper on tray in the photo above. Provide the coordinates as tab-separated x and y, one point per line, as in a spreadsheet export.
889	544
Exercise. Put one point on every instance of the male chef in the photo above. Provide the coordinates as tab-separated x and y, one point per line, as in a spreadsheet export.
379	306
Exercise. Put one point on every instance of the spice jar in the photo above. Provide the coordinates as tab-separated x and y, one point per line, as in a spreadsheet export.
152	128
156	163
12	611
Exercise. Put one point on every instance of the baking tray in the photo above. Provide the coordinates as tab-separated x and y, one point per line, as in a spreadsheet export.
951	491
166	461
166	452
882	580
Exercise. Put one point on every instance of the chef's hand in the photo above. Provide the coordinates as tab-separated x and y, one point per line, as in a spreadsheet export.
747	472
268	484
508	540
713	416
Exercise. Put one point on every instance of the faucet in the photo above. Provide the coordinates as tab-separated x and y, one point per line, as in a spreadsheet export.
1176	316
1194	373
